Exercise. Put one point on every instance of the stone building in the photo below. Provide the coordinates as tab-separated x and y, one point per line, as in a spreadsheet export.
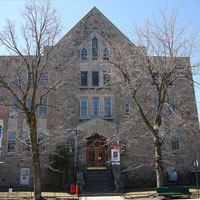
88	120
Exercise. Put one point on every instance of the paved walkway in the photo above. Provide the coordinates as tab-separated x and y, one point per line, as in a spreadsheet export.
102	198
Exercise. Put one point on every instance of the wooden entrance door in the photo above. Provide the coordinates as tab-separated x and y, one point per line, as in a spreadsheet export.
96	152
96	157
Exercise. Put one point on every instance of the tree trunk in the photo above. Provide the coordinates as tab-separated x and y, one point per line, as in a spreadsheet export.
158	161
35	156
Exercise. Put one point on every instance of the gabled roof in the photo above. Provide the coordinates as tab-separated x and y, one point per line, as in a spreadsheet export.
94	14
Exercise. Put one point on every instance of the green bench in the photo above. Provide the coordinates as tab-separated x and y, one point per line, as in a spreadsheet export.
173	191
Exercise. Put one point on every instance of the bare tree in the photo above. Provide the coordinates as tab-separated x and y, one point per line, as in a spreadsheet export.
30	67
147	72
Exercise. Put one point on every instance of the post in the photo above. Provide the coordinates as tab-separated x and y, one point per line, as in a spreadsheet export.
196	170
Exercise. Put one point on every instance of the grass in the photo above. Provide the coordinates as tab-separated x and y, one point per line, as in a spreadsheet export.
149	191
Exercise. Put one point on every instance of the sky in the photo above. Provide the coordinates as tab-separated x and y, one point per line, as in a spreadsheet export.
122	13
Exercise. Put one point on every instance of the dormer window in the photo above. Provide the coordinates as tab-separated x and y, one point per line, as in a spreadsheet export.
84	54
94	48
105	54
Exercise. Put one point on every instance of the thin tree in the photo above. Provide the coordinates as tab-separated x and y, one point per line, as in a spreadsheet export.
146	72
40	28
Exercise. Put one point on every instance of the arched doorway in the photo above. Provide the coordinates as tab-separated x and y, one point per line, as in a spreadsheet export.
96	152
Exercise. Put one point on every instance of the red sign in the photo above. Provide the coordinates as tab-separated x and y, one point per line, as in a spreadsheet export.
116	146
2	113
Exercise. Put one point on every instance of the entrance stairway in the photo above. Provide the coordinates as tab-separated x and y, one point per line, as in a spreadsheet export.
98	182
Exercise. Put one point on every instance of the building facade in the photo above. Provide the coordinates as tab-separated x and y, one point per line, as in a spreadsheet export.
87	114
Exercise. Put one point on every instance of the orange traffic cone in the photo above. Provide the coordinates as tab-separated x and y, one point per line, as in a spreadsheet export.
71	189
76	190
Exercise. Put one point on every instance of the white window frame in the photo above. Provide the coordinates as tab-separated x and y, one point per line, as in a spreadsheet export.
26	145
11	141
25	176
85	107
176	141
42	143
172	107
129	109
98	108
105	115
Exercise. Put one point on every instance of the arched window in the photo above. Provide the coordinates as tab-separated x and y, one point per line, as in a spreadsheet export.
105	54
94	48
84	54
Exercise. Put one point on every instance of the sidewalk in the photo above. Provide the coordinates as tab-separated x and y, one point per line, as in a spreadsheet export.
102	198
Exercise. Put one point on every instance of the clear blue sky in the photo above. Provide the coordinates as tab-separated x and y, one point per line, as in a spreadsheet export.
121	13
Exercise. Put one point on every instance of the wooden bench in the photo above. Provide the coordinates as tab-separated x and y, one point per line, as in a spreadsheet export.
173	191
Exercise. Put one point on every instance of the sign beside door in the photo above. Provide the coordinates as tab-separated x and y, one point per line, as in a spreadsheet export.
115	155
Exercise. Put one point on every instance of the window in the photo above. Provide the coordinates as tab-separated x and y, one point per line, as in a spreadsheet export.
83	107
175	141
155	77
162	141
95	107
11	142
26	142
24	176
16	78
84	54
172	107
44	80
106	78
28	103
127	109
43	108
84	78
14	105
95	78
105	54
41	142
71	143
107	107
94	48
155	103
1	132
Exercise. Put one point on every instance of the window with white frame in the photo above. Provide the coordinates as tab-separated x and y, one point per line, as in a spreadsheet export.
83	107
44	80
11	145
26	145
95	107
43	108
127	109
175	141
71	143
107	107
24	176
41	142
171	107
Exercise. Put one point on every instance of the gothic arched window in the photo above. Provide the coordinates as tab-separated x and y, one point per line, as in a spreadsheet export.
94	48
105	54
84	54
